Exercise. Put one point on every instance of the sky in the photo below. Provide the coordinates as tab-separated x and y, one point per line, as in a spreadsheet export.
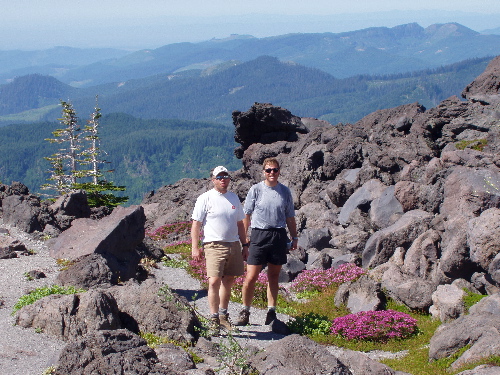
133	24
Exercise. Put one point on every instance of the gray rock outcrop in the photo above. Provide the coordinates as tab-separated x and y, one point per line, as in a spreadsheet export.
111	352
281	358
115	237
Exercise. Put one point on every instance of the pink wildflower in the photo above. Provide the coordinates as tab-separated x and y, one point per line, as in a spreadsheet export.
374	325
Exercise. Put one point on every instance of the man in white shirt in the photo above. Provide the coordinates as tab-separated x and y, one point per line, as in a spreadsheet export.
220	213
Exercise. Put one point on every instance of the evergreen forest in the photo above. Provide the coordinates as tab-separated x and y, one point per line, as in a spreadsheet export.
143	154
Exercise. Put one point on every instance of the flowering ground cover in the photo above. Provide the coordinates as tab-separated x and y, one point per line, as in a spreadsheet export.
309	282
260	294
172	234
374	325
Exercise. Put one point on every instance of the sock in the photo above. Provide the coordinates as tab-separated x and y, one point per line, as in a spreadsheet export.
271	308
222	311
246	308
216	315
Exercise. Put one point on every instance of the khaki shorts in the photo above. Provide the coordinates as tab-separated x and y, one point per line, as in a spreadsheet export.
223	258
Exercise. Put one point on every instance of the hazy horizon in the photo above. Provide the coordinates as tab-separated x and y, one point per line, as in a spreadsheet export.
154	23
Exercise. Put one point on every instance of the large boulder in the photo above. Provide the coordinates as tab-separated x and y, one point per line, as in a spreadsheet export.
490	305
314	238
467	193
483	237
9	246
409	290
265	123
70	316
485	89
361	200
448	302
144	308
115	237
297	355
69	207
480	331
361	364
346	155
364	294
87	271
482	370
422	258
22	211
382	244
112	353
385	210
414	195
174	357
174	203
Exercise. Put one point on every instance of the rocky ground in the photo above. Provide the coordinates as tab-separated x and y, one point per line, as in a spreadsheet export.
23	351
26	352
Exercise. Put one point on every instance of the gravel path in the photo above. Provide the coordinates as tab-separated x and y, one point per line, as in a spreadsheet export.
25	352
255	334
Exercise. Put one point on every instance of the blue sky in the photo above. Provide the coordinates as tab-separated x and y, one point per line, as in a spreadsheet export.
29	24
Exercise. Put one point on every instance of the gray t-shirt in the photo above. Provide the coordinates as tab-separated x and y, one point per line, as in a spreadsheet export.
269	206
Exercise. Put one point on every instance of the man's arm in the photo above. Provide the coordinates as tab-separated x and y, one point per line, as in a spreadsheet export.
196	251
292	229
242	234
246	225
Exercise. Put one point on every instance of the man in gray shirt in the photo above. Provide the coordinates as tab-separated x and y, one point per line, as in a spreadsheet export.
269	211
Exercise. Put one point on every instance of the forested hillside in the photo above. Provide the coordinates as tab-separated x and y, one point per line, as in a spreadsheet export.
213	94
145	154
32	91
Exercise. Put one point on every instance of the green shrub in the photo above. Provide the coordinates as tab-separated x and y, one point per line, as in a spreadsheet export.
310	324
39	293
174	263
476	144
470	298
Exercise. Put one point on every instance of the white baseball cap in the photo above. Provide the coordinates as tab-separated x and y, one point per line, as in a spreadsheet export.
218	170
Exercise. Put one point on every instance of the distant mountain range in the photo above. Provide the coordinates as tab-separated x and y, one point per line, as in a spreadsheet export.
377	50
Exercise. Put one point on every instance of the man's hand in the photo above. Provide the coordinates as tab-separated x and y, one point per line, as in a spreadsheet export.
197	252
244	252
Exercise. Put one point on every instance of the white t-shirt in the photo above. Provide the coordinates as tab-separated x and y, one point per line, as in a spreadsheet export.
219	214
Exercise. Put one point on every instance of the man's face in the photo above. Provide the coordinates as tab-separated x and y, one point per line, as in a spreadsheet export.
271	172
221	181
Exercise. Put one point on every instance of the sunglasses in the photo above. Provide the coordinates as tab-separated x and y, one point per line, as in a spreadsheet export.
224	177
269	170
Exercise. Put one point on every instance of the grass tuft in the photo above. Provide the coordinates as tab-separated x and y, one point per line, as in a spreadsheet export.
39	293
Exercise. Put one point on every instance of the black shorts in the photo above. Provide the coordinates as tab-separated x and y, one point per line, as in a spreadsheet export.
268	246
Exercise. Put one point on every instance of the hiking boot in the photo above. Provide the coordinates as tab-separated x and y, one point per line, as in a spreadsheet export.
243	318
225	322
271	315
213	326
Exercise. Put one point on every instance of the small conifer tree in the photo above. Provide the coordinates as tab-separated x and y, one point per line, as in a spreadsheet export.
64	162
65	175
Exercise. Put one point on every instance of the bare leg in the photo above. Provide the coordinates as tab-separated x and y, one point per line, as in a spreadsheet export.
214	284
225	291
273	273
249	284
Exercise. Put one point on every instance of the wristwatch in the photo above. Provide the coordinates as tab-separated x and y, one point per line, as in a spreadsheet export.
295	238
245	244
